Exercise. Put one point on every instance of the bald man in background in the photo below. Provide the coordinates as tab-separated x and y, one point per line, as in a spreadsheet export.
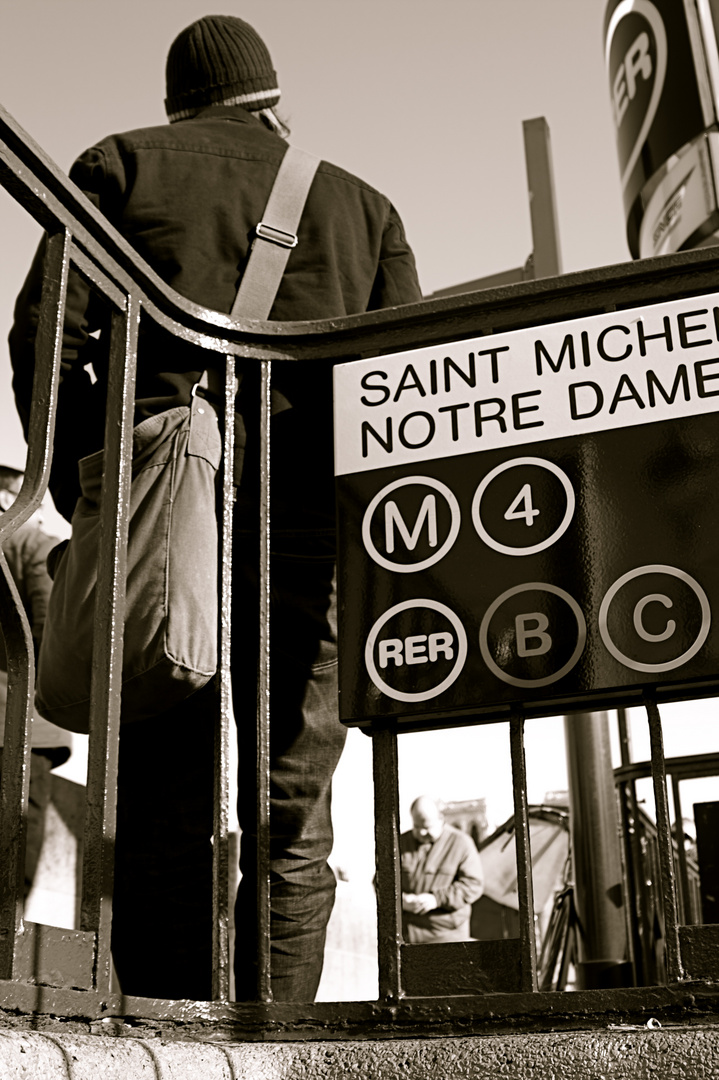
441	877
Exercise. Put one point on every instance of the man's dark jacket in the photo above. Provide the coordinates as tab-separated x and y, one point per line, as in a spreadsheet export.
187	197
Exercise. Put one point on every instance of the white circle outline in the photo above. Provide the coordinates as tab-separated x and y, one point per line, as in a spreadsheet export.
493	607
411	568
400	695
559	531
642	571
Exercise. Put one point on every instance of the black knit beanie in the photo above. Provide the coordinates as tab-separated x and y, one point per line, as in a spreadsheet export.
219	59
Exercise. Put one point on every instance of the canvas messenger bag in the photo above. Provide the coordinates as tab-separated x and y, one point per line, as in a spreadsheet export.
171	606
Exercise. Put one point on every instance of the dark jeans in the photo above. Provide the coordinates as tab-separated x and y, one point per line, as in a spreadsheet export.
162	904
306	743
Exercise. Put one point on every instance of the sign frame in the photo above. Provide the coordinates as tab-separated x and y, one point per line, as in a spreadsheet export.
430	710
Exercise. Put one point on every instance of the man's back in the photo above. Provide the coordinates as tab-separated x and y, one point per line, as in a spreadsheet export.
188	196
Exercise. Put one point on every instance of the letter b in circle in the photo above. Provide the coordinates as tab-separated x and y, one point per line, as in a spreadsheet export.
529	628
532	635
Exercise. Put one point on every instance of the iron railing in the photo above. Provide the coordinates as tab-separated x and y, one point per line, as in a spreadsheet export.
433	990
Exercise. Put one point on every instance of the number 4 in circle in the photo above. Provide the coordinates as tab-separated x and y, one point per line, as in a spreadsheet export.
522	507
554	493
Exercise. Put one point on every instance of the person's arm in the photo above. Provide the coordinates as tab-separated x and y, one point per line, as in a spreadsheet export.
468	884
36	580
84	313
396	281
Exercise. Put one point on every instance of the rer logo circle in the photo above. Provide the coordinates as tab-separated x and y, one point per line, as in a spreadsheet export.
415	650
532	635
411	524
523	506
654	618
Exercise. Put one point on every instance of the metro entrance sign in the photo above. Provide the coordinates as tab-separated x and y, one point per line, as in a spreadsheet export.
530	520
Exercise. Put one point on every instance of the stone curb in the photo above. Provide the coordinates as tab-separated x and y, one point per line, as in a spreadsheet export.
619	1054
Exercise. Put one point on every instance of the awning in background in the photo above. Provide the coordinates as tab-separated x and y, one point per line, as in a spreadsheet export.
549	841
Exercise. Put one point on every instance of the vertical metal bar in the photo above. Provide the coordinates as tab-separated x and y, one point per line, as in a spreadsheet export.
664	838
626	824
542	199
106	685
625	738
16	765
387	857
264	988
525	889
221	960
633	854
684	900
18	636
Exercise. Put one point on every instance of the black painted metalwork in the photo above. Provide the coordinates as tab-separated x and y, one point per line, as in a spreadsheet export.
527	941
14	935
666	853
43	970
224	722
264	991
388	886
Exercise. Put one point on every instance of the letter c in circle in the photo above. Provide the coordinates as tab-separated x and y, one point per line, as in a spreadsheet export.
639	611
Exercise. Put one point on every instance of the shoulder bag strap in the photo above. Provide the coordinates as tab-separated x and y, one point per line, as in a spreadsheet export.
275	235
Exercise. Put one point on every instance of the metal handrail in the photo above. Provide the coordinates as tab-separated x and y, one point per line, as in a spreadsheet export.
79	234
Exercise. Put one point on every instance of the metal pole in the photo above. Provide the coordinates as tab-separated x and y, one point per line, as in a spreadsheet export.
596	851
388	883
547	257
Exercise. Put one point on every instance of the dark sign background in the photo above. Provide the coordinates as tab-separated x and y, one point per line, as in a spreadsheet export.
678	117
644	496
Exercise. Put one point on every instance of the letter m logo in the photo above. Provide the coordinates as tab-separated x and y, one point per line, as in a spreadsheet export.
393	519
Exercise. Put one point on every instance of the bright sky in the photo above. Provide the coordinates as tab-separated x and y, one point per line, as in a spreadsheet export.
425	99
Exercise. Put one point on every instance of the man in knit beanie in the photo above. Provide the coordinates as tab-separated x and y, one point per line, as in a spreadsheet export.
188	196
220	60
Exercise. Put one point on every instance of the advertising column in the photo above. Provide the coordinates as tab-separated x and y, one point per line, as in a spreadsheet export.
663	70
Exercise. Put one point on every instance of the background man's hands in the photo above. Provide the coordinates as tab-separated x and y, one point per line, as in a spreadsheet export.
418	904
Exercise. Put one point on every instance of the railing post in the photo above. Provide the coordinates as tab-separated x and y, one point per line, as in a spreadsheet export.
18	637
684	901
664	836
221	959
106	684
387	882
525	888
264	986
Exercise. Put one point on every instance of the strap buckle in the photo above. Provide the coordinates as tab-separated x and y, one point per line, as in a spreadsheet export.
275	236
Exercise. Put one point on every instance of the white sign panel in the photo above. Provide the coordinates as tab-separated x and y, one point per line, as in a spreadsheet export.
616	370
